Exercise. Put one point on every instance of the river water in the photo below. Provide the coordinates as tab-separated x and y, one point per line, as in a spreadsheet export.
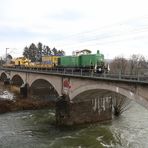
36	129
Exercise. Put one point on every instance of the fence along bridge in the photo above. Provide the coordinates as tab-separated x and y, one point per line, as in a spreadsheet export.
82	85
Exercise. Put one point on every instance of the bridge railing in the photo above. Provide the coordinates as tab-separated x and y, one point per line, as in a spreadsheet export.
81	73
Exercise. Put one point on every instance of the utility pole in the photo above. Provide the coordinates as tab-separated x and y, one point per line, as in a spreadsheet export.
1	62
6	54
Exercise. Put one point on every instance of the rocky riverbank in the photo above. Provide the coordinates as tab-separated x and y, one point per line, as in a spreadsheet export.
24	104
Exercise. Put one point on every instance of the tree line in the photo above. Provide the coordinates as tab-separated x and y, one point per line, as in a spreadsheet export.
135	65
35	52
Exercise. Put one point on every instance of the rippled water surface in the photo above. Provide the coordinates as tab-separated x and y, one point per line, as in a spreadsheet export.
36	129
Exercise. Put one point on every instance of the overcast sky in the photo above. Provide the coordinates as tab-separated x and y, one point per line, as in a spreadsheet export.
115	27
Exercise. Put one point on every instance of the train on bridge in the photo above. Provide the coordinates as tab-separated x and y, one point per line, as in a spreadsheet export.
81	60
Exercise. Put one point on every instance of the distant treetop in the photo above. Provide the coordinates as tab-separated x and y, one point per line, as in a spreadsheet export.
35	52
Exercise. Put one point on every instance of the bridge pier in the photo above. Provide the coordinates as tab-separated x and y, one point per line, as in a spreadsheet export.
70	113
24	90
7	81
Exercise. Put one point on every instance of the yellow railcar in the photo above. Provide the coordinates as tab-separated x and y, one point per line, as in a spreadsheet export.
48	62
21	61
53	60
18	62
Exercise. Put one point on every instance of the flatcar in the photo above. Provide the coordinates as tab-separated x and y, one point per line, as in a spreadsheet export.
17	62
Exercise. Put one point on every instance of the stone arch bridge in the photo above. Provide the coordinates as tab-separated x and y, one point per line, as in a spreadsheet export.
81	87
88	94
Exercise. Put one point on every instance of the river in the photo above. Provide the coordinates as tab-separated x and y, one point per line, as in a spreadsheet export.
36	129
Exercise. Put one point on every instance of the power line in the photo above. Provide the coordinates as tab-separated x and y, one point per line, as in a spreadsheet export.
98	38
97	35
100	29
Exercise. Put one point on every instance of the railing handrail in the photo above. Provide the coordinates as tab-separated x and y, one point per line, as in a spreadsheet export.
83	73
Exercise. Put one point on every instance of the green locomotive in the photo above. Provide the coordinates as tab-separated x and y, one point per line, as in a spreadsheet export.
84	61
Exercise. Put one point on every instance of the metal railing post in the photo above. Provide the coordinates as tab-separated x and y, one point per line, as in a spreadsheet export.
138	77
64	70
72	71
92	73
104	75
119	74
81	72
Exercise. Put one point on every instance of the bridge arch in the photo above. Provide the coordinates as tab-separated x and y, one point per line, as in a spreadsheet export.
3	76
43	85
17	80
110	88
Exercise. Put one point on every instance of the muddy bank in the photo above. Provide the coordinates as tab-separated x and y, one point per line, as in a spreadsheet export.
24	104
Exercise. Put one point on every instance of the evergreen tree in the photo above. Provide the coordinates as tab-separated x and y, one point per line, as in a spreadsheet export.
35	53
39	52
31	52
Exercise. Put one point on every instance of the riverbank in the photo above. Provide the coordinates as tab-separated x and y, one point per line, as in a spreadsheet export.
24	104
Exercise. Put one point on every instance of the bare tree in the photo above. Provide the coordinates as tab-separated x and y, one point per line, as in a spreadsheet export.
118	65
120	104
136	64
